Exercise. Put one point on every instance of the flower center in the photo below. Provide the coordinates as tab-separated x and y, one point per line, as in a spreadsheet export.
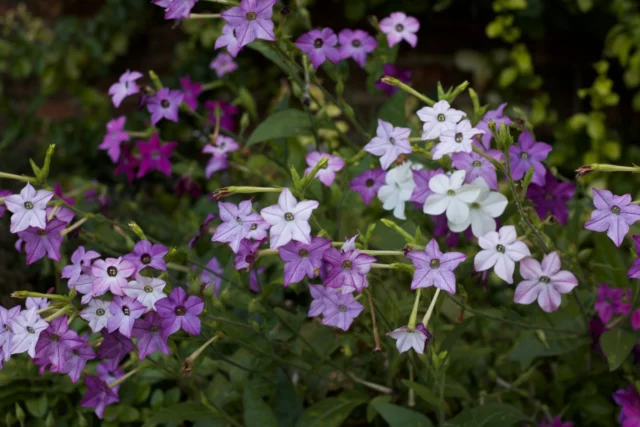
475	205
180	310
500	248
342	308
42	232
112	271
254	226
155	155
303	252
7	328
145	259
459	137
441	117
28	205
369	183
100	312
524	156
31	330
451	192
399	28
392	140
126	310
239	220
476	163
76	352
434	263
288	216
165	103
251	16
55	337
148	289
346	265
615	210
356	43
318	43
153	328
545	279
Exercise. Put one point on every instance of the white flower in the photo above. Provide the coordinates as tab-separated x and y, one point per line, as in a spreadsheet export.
289	219
407	338
457	139
97	314
482	211
26	328
389	143
147	290
438	118
451	196
501	250
397	189
29	208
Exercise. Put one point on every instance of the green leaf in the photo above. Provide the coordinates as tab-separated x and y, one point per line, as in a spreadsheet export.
617	344
397	416
256	412
288	405
392	110
283	124
529	347
185	411
37	407
426	394
372	412
488	415
329	412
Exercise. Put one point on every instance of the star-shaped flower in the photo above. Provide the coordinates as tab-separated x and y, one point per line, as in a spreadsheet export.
349	269
238	221
146	290
164	105
228	39
526	154
407	338
551	199
39	243
356	44
111	275
389	143
457	139
26	327
397	189
501	250
97	313
251	20
125	311
326	174
613	214
54	342
341	310
302	259
98	395
115	136
398	26
320	45
439	118
28	208
435	268
482	211
223	63
368	183
125	86
450	195
180	312
79	259
148	331
477	166
155	156
289	219
146	255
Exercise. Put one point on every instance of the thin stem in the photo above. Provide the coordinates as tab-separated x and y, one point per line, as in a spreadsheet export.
414	312
127	375
57	314
376	333
412	393
204	16
177	267
427	315
74	226
397	83
18	177
382	253
188	362
383	266
373	386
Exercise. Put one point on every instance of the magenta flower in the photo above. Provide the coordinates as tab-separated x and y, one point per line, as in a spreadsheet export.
127	164
327	174
115	347
179	311
289	219
302	260
55	341
227	113
97	314
477	166
190	91
398	27
435	268
165	105
551	199
356	44
98	395
238	221
39	243
526	154
389	143
251	20
124	312
635	319
28	208
148	331
422	190
212	274
348	269
368	183
544	282
26	328
115	136
109	371
154	156
228	39
610	302
613	214
179	9
634	271
146	255
79	259
247	254
111	274
3	207
340	310
497	116
125	86
556	422
391	70
320	45
254	280
223	63
75	359
186	185
221	146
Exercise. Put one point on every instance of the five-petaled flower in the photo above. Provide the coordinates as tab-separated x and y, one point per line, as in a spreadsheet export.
398	26
397	189
527	154
613	214
389	143
238	221
320	45
456	139
450	195
164	105
28	208
407	338
124	87
438	118
356	44
180	311
435	268
501	250
289	219
250	21
327	173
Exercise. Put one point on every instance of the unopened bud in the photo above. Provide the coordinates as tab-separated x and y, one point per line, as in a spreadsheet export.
583	170
220	193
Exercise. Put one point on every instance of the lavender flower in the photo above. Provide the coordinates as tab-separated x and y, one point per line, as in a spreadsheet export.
478	166
320	299
164	105
179	311
289	219
391	70
146	290
216	164
496	116
55	341
125	86
26	328
28	208
228	39
208	278
190	91
176	9
247	254
634	271
75	359
79	259
500	250
526	154
326	174
97	313
6	331
111	274
422	191
251	20
227	113
125	311
368	183
349	269
115	136
434	268
223	63
456	139
398	27
115	347
148	331
238	221
389	143
356	44
302	260
155	156
551	199
3	207
147	255
98	395
39	243
341	310
407	338
613	214
320	45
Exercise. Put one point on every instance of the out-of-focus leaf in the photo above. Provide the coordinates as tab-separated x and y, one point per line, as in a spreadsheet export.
330	412
397	416
282	124
617	344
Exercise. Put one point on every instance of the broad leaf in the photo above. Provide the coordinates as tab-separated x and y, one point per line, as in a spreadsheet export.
488	415
529	347
283	124
397	416
185	411
329	412
256	412
617	344
425	393
288	405
392	110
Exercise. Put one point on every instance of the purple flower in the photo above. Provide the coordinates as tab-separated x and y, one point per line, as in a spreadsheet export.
544	282
3	207
302	260
62	213
407	338
228	39
216	164
356	44
348	269
148	330
98	395
179	311
526	154
186	185
165	105
224	63
251	20
127	164
6	331
55	341
179	9
389	143
422	190
631	415
634	271
391	70
398	27
26	328
613	214
43	242
204	228
115	136
551	199
626	397
190	90
247	254
238	221
79	259
556	422
320	45
125	86
147	255
28	208
211	274
635	320
57	191
434	268
477	166
114	347
124	312
109	371
254	280
227	113
146	290
97	313
154	156
221	146
368	183
76	359
610	302
38	303
289	219
340	310
326	174
320	299
111	274
498	117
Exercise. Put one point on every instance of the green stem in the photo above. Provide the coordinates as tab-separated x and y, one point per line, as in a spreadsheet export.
414	312
376	333
74	226
397	83
427	315
177	267
204	16
127	375
382	253
18	177
373	386
188	362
